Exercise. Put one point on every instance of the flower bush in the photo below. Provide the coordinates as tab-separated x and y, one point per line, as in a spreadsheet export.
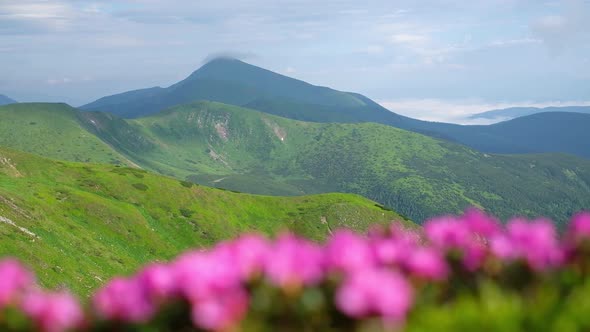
454	274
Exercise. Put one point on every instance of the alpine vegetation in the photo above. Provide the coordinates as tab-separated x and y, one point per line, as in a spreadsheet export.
392	279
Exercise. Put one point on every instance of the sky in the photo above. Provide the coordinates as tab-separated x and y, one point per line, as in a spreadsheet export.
434	60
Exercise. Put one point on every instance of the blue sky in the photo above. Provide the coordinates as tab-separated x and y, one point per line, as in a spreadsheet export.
431	59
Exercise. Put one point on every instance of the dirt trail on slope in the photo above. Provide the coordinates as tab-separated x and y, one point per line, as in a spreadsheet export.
22	229
11	167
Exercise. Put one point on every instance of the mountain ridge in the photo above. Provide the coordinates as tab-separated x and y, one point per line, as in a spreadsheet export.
237	83
515	112
251	151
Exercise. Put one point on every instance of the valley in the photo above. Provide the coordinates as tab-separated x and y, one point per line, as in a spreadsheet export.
244	150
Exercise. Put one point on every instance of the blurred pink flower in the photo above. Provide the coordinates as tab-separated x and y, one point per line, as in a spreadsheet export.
375	292
53	312
427	263
536	242
220	312
347	251
579	227
251	252
294	262
480	223
447	233
158	281
474	255
124	300
389	251
203	274
14	278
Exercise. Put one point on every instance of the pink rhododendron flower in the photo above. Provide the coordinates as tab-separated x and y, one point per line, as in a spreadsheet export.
14	278
481	224
427	263
536	242
53	312
389	251
375	292
124	300
251	252
221	312
447	233
203	274
474	254
579	227
158	281
502	247
294	262
348	251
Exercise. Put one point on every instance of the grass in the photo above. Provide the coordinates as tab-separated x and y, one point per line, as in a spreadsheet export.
243	150
53	130
79	224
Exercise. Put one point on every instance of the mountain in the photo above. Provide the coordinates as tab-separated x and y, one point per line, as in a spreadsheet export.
78	225
249	151
538	133
5	100
515	112
234	82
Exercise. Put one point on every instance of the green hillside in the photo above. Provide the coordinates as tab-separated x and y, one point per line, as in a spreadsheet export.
240	149
244	150
79	224
54	131
235	148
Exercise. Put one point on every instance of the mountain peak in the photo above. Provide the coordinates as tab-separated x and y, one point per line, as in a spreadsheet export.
222	67
221	59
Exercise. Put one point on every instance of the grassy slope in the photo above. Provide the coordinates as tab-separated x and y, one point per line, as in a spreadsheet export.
93	221
54	131
240	149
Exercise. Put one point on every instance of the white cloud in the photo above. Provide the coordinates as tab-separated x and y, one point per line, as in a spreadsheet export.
458	111
565	30
54	15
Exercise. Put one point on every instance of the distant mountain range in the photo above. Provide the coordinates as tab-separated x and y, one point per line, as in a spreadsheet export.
249	151
5	100
515	112
237	83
